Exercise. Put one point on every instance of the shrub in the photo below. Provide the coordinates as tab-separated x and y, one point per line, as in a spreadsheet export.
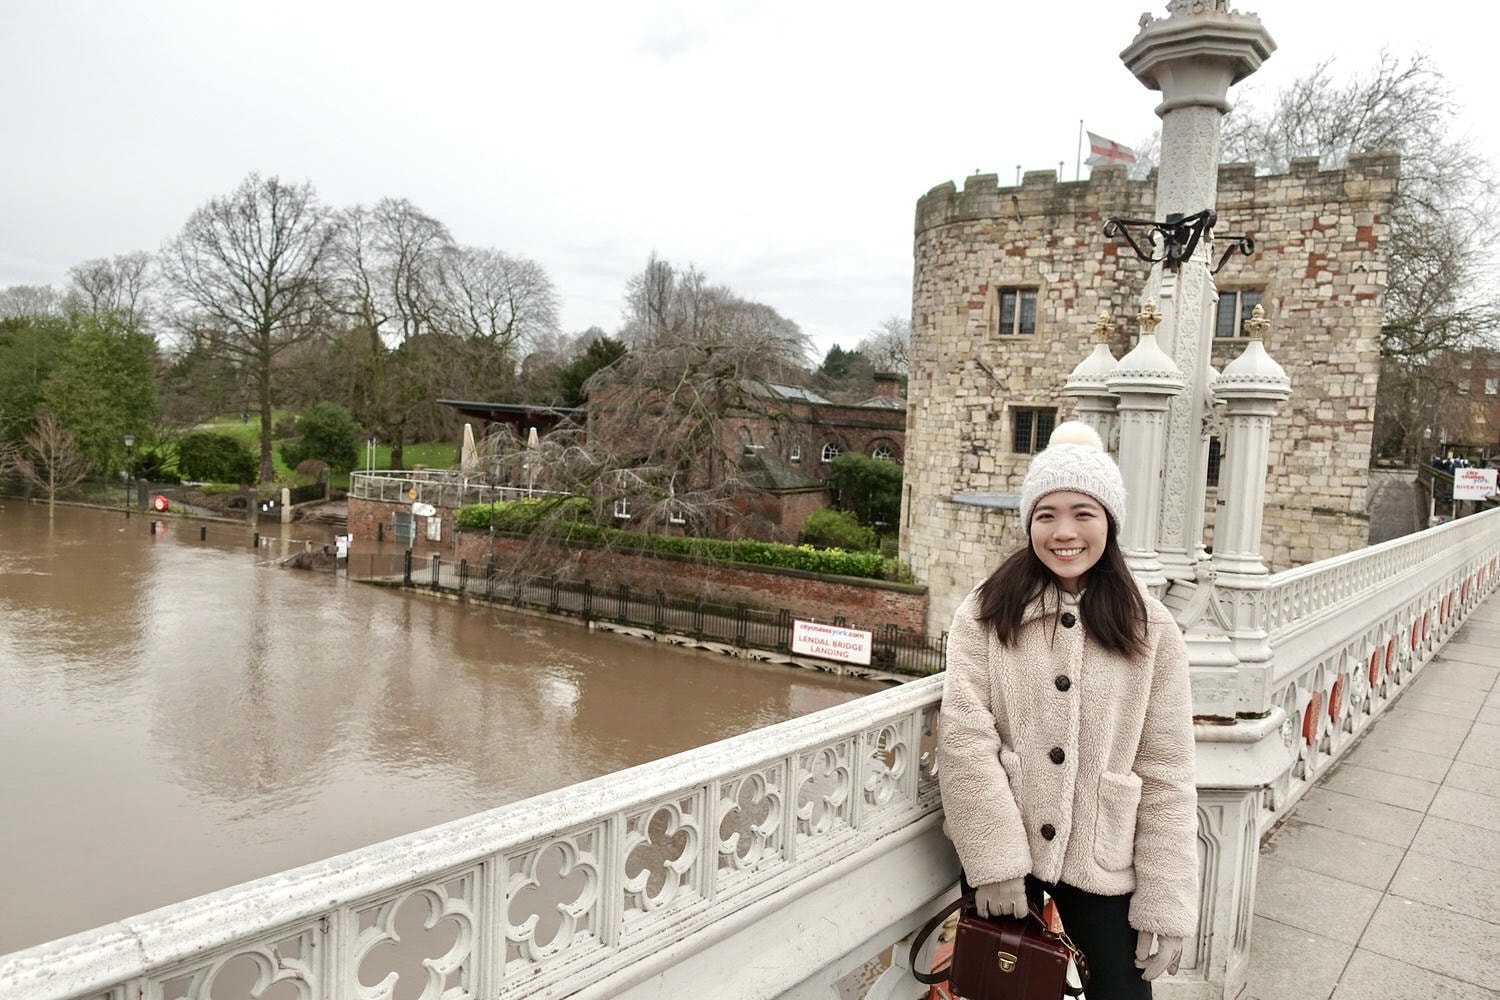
570	520
326	432
870	487
838	529
211	457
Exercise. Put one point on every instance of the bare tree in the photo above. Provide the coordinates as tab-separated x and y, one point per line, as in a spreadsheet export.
386	280
30	300
888	346
665	420
50	460
1439	294
505	300
249	267
118	285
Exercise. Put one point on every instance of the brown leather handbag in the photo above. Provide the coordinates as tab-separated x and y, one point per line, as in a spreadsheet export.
1002	958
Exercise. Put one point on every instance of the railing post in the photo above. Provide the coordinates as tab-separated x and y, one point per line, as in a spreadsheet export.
463	574
698	617
406	569
659	613
552	604
588	601
783	631
437	569
489	578
739	625
622	610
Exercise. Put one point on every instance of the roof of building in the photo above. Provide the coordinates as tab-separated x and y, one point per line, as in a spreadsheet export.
797	392
768	473
885	402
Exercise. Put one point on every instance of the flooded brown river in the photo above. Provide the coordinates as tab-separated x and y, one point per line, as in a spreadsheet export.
179	714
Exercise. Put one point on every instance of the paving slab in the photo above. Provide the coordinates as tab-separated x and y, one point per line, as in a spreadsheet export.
1458	841
1462	806
1370	976
1312	901
1440	697
1488	714
1465	665
1418	730
1399	760
1473	778
1332	852
1377	821
1482	746
1289	963
1380	786
1451	944
1449	884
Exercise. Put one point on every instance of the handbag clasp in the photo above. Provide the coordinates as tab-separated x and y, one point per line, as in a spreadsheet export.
1007	962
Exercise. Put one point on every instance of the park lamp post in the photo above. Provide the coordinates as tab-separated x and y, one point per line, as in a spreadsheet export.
129	450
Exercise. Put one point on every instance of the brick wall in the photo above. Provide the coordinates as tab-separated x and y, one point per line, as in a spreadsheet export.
866	603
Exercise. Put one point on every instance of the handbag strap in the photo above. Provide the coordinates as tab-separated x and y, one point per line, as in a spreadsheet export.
967	900
940	975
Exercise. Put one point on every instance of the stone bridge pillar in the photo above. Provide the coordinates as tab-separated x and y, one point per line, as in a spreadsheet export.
1193	56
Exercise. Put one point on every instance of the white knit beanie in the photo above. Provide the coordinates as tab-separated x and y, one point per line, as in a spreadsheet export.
1074	459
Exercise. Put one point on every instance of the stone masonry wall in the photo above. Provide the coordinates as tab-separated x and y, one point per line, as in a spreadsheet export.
1321	251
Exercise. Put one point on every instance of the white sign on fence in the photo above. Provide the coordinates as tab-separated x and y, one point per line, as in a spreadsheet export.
423	509
1473	484
831	642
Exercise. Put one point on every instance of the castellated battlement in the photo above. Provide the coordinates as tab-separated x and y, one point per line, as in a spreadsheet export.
1110	192
1009	281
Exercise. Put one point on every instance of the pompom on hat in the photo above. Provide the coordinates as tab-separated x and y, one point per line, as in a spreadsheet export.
1075	460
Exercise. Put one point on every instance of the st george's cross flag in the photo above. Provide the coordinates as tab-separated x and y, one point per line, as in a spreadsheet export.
1103	151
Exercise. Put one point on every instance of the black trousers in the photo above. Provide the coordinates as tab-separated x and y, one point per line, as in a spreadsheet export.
1100	927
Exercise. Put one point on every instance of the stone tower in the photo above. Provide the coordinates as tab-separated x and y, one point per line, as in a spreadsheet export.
1009	283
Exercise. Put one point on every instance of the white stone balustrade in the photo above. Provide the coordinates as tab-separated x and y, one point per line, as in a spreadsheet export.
768	864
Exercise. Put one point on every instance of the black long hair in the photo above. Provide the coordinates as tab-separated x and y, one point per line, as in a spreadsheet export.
1112	608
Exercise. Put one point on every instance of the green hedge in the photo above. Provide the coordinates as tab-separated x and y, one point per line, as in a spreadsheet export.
569	520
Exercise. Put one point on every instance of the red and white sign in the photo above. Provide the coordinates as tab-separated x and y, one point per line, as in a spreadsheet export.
1473	484
832	642
160	503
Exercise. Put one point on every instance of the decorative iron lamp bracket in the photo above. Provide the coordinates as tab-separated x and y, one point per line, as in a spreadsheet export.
1175	239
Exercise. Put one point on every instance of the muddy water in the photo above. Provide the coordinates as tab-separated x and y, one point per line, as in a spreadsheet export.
178	714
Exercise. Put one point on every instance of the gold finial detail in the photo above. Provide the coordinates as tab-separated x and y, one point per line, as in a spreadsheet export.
1149	317
1104	327
1257	325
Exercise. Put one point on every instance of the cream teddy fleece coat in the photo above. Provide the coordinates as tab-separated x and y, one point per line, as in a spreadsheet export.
1101	761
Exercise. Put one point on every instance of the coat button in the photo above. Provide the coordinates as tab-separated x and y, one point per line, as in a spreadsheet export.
1062	682
1048	831
1069	619
1057	755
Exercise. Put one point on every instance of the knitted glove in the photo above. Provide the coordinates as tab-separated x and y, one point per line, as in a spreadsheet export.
1001	899
1168	954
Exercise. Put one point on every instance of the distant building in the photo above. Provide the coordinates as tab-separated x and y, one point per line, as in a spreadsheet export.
778	444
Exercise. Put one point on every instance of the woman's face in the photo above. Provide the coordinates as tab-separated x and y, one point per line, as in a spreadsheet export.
1068	532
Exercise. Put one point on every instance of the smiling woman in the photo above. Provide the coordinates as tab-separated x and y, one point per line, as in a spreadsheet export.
1066	747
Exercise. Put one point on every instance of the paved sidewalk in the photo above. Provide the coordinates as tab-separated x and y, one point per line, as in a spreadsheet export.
1385	880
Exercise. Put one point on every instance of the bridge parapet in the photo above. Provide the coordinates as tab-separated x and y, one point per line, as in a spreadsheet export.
768	864
586	891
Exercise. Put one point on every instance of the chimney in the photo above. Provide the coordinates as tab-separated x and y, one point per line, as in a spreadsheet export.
888	385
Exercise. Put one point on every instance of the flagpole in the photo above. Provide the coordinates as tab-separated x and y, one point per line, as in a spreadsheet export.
1078	164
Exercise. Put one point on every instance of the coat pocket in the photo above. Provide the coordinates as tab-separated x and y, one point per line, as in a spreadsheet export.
1114	826
1010	762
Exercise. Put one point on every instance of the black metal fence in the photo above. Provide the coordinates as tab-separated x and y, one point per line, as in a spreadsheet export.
893	648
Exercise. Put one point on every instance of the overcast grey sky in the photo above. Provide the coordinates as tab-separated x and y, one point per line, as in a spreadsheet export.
780	146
